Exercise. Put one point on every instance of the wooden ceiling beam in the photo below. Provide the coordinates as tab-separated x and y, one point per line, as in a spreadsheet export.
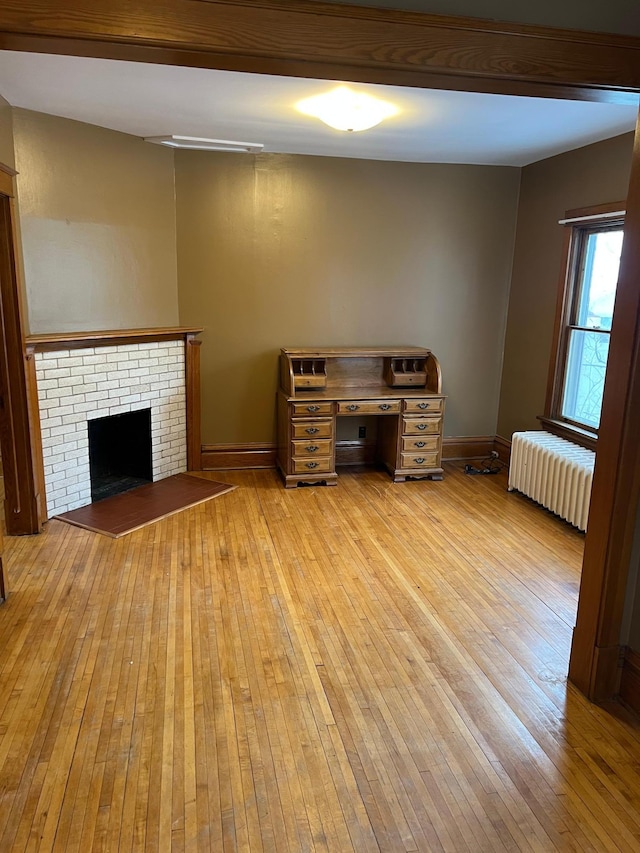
334	42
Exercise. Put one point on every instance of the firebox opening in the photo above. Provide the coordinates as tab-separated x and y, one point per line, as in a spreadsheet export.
119	453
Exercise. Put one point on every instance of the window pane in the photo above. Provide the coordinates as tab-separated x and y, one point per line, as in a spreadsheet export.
599	278
584	379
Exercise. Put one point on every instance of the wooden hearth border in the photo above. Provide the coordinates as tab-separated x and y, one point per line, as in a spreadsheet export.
113	337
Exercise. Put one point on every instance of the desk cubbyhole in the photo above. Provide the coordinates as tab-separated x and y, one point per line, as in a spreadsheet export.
309	373
405	372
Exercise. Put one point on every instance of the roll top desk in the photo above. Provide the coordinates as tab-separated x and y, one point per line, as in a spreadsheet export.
402	385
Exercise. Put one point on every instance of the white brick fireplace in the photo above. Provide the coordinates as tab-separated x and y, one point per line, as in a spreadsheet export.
76	384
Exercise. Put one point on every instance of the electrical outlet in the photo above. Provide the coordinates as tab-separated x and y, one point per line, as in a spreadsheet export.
362	432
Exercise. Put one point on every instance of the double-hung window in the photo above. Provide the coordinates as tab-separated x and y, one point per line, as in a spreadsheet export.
583	325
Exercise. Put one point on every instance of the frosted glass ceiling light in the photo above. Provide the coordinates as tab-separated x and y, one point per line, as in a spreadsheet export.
344	109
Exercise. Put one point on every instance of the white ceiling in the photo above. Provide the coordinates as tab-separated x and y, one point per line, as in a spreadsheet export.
431	126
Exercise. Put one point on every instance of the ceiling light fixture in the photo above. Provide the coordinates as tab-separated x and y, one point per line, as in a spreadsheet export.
344	109
199	143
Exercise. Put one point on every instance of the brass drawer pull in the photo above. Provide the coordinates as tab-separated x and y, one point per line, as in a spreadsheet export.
312	430
384	406
419	460
313	408
311	464
422	406
421	426
421	443
312	448
352	407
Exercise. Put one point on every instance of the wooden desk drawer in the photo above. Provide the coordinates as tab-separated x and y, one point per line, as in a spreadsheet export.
306	409
420	445
419	460
368	407
322	447
419	406
421	426
312	429
323	465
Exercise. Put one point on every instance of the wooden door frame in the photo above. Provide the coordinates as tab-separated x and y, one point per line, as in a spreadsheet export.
313	39
22	510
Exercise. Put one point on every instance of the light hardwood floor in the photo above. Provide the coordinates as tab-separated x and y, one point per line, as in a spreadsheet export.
359	668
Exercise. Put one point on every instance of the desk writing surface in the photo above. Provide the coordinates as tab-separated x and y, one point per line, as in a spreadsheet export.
355	392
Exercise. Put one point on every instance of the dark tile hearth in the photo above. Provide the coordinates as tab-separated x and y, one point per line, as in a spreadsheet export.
123	513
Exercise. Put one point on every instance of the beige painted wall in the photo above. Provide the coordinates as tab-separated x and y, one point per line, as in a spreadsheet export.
97	213
281	250
592	175
7	157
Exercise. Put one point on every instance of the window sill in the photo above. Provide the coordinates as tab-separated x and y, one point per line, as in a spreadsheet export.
570	432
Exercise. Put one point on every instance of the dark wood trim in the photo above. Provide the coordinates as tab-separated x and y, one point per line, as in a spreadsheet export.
630	679
502	447
6	182
36	435
616	481
563	300
221	457
569	432
606	673
194	416
567	284
218	457
467	447
193	58
3	582
21	504
595	210
329	41
111	337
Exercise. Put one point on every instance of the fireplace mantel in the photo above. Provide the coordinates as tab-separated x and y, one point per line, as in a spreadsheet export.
78	340
60	355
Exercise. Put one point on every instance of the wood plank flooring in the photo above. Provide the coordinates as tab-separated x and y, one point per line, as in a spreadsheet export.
360	668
